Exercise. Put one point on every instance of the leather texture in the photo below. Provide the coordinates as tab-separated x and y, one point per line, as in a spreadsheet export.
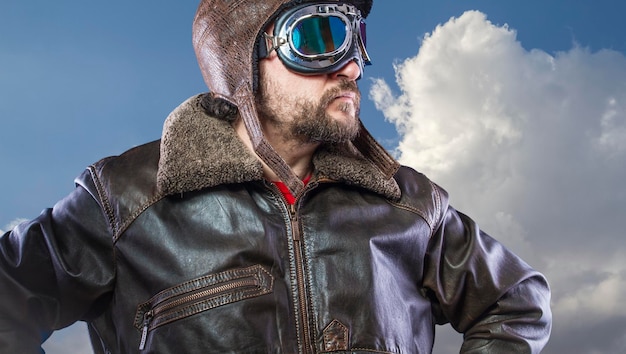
225	35
229	267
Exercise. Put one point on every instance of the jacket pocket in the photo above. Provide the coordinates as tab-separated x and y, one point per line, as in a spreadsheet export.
199	295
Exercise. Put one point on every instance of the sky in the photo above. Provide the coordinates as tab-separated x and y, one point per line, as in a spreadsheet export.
517	109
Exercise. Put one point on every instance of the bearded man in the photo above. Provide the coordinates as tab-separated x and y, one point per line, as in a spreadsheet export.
266	219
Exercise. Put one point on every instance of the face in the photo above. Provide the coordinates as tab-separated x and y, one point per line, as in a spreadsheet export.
312	108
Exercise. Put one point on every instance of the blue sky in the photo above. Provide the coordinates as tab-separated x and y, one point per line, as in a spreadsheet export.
515	109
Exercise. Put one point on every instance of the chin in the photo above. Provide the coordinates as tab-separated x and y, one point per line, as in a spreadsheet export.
347	114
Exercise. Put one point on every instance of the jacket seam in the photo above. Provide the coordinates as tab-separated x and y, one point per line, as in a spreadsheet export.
438	208
283	206
106	204
414	210
130	219
306	260
432	222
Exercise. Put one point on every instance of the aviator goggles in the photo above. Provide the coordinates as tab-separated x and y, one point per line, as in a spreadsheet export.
318	39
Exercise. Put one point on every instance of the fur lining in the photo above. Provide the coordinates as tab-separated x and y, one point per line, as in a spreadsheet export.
199	151
346	164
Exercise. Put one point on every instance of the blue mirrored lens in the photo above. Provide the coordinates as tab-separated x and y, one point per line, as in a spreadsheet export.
318	35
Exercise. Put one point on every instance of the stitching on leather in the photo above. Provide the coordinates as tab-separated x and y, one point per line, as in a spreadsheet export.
330	336
415	211
208	280
265	278
116	229
281	205
208	304
306	273
291	250
106	204
129	220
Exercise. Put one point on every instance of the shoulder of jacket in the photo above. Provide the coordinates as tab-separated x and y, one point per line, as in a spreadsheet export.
124	185
421	195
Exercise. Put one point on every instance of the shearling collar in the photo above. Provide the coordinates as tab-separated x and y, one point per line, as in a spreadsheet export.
199	151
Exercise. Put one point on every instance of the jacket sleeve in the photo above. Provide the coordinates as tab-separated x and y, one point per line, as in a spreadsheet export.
54	270
498	302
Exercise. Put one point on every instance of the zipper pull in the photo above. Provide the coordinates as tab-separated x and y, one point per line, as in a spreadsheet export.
295	230
144	333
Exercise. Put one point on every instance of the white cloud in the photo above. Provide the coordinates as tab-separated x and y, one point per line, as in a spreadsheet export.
532	145
612	138
595	288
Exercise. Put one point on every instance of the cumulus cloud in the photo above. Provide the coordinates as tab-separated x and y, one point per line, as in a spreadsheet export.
532	145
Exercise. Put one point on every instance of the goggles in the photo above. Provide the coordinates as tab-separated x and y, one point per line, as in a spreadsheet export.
318	39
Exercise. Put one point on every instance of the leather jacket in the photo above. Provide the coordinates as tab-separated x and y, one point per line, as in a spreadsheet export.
181	246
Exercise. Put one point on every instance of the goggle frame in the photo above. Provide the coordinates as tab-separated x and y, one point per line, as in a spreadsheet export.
352	48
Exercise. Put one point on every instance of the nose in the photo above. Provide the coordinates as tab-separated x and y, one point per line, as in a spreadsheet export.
350	71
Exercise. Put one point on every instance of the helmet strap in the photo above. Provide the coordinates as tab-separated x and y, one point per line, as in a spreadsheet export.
263	149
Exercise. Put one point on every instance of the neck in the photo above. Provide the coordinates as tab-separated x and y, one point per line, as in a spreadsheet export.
297	155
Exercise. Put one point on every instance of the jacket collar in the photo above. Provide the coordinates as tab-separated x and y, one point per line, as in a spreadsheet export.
200	151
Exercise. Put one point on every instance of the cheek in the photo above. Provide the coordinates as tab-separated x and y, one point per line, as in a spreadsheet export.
310	88
288	83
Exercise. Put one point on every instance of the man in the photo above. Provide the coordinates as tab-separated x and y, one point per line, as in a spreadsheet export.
266	220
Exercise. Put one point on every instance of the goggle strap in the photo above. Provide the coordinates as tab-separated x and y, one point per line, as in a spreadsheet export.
270	43
298	62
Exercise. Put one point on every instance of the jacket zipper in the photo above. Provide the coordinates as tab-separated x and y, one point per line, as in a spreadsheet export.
304	328
302	298
147	317
150	315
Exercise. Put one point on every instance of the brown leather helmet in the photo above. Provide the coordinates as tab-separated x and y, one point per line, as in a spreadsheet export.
225	33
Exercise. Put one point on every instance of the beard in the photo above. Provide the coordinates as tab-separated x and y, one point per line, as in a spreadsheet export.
305	120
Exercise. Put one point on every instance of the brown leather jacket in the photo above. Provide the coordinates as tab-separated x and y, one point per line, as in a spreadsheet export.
180	246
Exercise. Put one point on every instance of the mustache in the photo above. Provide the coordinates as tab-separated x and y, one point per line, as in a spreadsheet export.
342	87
